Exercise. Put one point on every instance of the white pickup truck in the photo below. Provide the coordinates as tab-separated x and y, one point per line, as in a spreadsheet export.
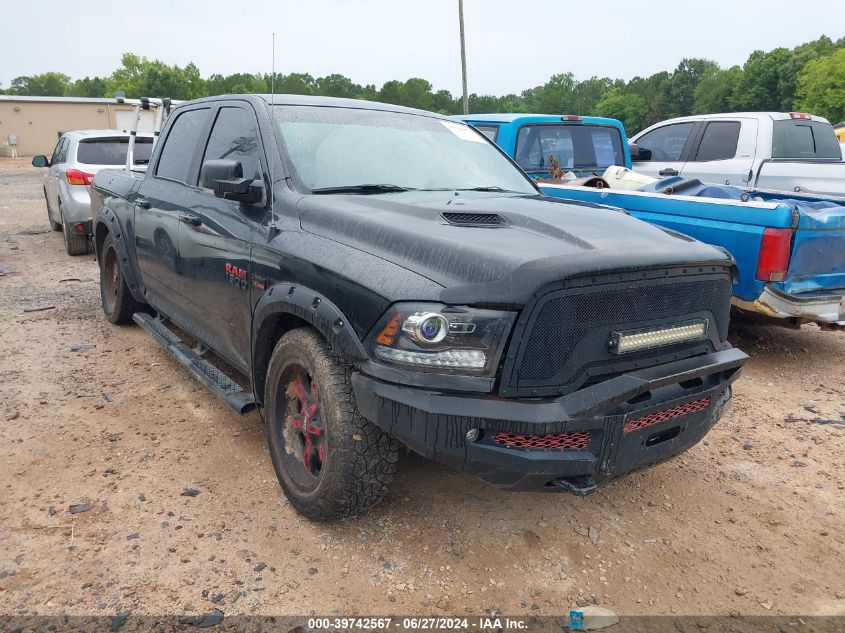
761	150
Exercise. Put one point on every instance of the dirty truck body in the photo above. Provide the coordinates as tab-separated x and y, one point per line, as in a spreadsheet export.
383	275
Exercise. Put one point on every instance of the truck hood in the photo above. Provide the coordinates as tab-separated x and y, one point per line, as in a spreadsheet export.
541	240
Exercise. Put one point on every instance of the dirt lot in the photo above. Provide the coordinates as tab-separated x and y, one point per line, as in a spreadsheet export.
750	521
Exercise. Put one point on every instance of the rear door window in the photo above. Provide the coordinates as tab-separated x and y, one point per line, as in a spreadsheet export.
112	151
719	141
667	142
235	137
573	146
800	138
181	144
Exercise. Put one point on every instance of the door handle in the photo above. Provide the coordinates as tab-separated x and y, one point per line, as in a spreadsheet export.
143	203
669	171
190	218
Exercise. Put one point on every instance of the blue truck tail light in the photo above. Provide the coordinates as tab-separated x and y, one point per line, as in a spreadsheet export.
775	249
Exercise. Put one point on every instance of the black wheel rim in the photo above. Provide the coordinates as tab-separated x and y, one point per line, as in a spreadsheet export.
300	427
111	279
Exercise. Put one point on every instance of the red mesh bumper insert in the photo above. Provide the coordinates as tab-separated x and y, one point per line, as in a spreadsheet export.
666	414
560	442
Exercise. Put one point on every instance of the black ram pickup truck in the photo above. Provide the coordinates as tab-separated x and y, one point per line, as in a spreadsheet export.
372	275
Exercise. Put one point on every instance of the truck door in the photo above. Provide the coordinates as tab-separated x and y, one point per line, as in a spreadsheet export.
162	198
215	237
669	145
723	152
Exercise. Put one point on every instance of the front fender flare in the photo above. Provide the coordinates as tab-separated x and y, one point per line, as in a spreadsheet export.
292	300
107	221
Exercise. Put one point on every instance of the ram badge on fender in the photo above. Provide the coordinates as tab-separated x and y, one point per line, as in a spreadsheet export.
383	275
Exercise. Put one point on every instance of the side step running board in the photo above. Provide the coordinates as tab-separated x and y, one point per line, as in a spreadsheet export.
223	386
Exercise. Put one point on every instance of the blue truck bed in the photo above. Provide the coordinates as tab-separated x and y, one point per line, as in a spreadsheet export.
789	248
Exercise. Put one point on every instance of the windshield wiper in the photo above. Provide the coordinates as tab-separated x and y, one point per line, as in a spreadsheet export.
362	189
489	188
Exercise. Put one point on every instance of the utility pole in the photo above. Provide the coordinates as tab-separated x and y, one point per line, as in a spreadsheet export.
463	54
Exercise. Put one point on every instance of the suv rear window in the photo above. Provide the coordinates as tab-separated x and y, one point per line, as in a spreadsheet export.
574	146
796	138
112	151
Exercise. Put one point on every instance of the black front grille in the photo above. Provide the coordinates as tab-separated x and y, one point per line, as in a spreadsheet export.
563	339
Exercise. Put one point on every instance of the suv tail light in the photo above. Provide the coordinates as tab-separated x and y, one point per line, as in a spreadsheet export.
76	177
799	115
775	248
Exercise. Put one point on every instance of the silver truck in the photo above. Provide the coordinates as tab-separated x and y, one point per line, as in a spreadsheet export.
762	150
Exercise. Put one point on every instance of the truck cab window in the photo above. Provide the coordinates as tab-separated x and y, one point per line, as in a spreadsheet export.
181	143
235	136
719	141
804	139
490	131
573	146
667	142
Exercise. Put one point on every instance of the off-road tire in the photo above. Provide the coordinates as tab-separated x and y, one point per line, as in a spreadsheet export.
56	226
117	301
359	459
75	243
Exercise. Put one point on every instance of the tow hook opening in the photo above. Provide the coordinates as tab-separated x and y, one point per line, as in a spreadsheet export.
581	485
663	436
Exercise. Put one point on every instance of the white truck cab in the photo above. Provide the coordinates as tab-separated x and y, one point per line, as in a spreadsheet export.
764	150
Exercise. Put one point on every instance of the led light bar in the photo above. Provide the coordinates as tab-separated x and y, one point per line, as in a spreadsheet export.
462	358
632	341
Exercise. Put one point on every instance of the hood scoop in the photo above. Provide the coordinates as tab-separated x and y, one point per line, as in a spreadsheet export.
474	219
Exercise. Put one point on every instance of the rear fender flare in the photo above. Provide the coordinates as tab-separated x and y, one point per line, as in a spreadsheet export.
288	305
107	222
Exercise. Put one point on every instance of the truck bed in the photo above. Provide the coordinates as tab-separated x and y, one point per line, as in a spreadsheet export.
819	176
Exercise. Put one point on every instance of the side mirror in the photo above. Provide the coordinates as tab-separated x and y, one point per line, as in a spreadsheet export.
639	153
226	178
40	161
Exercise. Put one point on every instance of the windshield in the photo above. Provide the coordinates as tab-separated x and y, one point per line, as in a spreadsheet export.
112	151
345	147
573	146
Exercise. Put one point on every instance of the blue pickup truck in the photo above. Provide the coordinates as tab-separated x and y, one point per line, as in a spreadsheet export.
789	247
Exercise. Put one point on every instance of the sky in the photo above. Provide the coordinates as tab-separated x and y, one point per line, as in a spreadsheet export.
511	46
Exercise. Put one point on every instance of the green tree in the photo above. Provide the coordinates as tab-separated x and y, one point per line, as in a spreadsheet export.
49	84
417	93
821	86
628	107
760	86
238	83
681	84
140	77
557	95
337	86
392	92
714	92
88	87
480	104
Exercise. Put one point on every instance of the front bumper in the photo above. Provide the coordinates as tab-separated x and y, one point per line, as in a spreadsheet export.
598	432
826	307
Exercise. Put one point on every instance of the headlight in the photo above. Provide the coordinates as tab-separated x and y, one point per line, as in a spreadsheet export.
438	338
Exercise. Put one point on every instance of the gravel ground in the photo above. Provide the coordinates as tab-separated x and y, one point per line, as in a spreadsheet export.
186	516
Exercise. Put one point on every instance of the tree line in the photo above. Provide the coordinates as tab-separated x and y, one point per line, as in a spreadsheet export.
809	77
